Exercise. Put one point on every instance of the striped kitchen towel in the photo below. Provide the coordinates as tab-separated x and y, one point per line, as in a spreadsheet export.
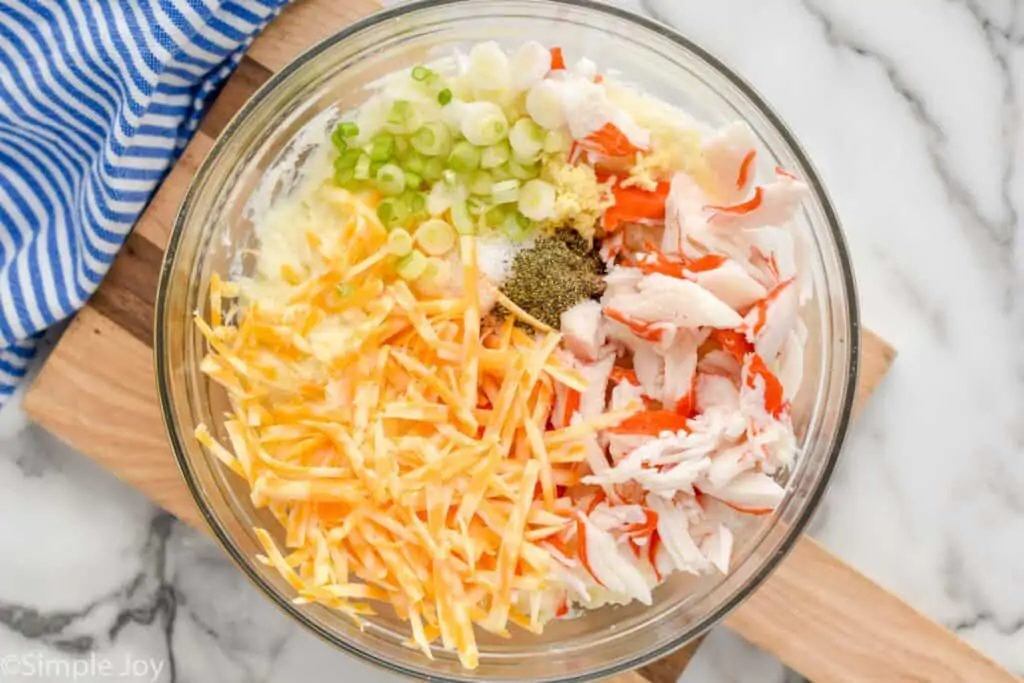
97	100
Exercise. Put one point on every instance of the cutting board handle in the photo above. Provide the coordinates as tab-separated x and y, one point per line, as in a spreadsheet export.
831	623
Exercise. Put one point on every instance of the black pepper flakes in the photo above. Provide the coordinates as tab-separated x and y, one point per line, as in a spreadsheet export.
556	273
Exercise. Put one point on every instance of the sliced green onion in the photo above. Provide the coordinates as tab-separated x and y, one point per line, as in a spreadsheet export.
413	181
362	168
480	183
406	200
477	206
348	129
496	216
412	266
461	219
435	237
382	147
348	159
401	212
390	179
401	112
516	227
537	200
500	173
344	176
441	197
449	177
338	141
386	211
399	242
415	204
495	155
527	140
484	123
444	97
558	140
437	273
415	163
433	139
464	157
418	203
345	129
505	192
433	169
523	172
402	146
423	74
375	166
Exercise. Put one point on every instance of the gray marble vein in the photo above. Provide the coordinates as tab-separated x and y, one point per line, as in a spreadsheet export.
1000	228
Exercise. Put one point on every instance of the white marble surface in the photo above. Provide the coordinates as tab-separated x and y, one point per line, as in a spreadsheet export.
912	111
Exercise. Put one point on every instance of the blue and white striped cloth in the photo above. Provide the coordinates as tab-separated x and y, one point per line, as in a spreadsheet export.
97	100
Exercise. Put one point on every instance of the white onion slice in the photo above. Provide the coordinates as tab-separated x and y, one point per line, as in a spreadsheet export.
488	69
530	65
544	104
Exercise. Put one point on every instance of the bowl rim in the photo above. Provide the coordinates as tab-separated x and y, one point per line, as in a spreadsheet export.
814	496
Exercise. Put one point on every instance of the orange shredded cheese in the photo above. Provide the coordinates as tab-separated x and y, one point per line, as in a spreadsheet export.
405	457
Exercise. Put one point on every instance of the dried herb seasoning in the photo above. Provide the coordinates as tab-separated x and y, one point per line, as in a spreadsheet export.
559	271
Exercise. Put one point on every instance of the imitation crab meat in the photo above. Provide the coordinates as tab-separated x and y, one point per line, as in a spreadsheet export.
731	154
676	302
583	327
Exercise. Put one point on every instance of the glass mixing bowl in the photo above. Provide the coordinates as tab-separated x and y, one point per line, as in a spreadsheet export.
212	232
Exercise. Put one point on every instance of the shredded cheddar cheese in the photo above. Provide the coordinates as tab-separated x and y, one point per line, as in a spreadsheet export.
405	458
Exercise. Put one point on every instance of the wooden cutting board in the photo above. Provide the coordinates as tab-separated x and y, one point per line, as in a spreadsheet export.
97	391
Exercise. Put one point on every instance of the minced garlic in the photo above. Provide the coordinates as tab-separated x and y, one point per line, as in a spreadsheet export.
580	198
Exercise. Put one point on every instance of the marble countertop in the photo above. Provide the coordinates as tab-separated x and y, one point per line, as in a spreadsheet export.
912	111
